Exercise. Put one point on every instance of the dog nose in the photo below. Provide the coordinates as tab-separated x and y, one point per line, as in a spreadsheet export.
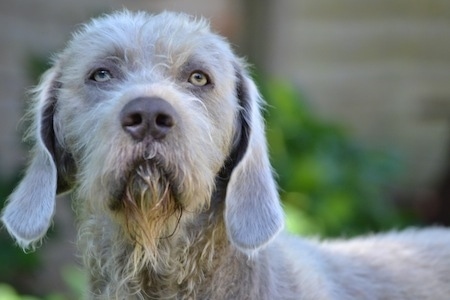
145	116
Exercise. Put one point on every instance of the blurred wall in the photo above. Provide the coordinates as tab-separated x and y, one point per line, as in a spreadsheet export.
381	68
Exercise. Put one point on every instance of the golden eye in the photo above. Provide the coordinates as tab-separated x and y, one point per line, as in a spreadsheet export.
198	78
101	75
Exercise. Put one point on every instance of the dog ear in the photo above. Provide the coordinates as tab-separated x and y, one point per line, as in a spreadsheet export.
253	213
30	207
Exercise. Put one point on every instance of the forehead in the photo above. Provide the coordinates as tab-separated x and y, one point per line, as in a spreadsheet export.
172	37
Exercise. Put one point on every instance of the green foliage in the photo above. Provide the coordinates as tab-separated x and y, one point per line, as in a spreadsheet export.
8	293
329	185
76	280
73	277
36	66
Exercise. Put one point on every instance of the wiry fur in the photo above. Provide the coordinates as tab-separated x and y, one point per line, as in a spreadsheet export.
194	215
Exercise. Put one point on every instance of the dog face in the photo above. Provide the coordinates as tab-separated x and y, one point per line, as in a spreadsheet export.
186	67
145	117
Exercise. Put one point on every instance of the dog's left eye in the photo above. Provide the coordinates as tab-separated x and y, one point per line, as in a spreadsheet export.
101	75
199	78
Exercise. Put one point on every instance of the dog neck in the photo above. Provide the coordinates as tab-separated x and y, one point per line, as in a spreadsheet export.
184	264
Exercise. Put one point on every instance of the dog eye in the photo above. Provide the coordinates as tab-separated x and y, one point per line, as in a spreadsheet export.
101	75
199	78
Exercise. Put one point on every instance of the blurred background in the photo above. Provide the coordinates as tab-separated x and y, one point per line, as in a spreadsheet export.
358	120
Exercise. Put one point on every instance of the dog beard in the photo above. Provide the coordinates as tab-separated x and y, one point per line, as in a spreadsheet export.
150	208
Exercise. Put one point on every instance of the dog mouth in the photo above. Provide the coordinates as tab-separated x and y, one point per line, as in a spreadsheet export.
147	203
147	184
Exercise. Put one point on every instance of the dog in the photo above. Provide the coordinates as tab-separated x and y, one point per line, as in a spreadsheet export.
155	126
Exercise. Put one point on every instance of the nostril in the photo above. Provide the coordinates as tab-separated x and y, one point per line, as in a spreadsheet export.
134	123
164	120
134	119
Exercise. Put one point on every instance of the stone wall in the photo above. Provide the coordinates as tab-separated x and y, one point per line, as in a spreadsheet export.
381	68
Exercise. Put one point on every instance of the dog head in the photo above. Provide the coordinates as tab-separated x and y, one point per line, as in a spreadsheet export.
146	117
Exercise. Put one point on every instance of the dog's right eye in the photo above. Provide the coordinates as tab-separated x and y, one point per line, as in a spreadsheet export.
101	75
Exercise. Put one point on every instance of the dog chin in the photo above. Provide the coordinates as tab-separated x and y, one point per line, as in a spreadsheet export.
147	184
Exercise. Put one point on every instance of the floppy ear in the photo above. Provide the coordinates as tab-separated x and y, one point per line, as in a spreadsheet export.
30	207
253	213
